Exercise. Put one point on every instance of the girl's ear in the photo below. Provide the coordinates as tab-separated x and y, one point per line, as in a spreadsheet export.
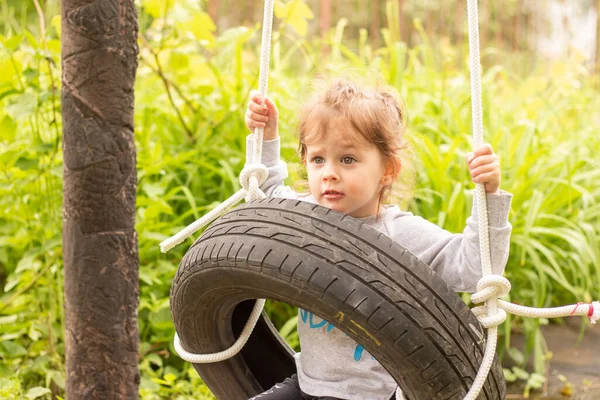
391	172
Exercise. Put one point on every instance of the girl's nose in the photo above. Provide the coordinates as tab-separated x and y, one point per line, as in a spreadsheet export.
330	174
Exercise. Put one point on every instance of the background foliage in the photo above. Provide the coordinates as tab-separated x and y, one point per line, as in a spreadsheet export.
191	92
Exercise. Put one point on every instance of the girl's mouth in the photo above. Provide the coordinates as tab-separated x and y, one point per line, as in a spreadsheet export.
333	195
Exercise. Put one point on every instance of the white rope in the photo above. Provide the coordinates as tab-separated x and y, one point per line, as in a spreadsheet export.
252	176
480	201
248	177
225	354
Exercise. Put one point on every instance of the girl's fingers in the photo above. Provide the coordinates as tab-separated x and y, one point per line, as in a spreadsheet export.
490	177
255	97
485	149
251	124
256	117
483	160
484	169
257	108
271	107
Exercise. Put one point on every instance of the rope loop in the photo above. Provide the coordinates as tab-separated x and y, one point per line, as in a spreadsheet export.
490	286
260	173
489	321
230	352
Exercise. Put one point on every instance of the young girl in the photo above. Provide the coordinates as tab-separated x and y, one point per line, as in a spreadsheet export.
350	143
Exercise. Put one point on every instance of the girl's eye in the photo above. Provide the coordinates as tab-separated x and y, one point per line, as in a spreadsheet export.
318	160
348	160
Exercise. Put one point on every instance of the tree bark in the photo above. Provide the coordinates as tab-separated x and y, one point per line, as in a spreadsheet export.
406	26
213	10
324	25
517	40
375	6
99	61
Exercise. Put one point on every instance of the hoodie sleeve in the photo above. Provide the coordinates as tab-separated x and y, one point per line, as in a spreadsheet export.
273	186
456	257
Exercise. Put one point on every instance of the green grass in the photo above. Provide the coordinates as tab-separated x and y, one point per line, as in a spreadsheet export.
190	142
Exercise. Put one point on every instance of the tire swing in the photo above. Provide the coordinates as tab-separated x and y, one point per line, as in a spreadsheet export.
346	273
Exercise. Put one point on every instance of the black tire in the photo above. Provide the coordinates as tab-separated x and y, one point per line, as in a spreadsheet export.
324	262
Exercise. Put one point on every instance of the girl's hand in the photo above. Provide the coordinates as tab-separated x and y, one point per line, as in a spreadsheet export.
484	167
262	114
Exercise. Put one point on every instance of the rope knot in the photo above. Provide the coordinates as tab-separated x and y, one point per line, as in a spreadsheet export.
251	177
488	287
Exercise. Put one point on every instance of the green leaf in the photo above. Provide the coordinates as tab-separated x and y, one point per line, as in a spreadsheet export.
170	378
27	164
155	8
155	359
161	320
13	350
154	189
54	47
21	106
8	319
37	392
201	26
237	35
149	384
8	128
11	44
31	40
56	24
536	380
295	13
178	61
516	355
509	375
7	72
58	377
26	263
34	334
11	282
520	373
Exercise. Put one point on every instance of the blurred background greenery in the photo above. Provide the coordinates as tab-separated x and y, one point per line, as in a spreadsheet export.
198	62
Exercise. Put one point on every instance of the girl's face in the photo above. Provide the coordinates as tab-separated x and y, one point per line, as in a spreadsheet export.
346	173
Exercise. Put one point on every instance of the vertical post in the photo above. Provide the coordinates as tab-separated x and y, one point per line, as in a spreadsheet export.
250	12
517	26
99	64
363	14
213	10
406	25
458	29
324	24
374	28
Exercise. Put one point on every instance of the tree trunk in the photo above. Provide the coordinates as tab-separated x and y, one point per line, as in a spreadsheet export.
213	10
458	22
517	27
374	18
406	24
99	62
324	25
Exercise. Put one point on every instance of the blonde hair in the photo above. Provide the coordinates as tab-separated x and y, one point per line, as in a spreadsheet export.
375	113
